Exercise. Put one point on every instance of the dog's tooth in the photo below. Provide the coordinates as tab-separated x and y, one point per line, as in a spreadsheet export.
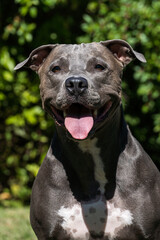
64	114
95	113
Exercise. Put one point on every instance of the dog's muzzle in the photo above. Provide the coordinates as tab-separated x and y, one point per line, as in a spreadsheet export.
78	117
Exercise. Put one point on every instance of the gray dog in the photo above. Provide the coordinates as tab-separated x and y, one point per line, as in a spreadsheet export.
96	181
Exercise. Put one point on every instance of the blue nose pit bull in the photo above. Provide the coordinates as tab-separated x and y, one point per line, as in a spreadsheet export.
96	181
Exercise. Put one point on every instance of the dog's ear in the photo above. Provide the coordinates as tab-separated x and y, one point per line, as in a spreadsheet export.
36	57
123	51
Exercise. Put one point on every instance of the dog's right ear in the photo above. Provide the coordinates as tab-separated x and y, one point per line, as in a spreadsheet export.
36	57
123	51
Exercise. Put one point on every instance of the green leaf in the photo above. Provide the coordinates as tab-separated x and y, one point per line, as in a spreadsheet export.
16	120
33	168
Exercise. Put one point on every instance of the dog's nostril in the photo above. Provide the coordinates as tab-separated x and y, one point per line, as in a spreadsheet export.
76	85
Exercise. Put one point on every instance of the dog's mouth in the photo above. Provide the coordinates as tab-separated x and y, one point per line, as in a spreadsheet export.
79	120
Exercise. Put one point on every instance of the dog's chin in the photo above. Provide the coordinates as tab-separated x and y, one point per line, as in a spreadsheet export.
80	121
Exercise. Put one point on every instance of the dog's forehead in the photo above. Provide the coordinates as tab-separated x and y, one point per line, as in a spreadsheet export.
80	51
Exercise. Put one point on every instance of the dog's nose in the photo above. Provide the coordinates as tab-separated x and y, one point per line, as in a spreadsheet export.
76	85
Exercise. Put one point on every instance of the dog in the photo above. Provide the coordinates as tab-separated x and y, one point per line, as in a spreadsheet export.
96	181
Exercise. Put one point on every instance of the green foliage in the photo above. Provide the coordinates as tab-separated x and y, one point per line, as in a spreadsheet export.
25	129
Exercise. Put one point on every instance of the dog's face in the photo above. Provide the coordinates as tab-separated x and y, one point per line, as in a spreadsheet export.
81	84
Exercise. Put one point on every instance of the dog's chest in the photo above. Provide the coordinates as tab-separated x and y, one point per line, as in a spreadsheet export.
96	218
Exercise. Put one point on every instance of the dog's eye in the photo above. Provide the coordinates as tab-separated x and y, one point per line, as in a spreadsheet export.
99	67
56	69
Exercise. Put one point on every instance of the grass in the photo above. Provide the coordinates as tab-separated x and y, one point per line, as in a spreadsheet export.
15	225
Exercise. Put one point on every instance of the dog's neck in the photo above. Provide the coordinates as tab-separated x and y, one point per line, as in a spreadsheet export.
91	164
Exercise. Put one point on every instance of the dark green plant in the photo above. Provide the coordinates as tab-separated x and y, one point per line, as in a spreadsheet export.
25	129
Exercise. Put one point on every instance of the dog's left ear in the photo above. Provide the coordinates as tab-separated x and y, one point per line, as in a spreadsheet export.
123	51
36	57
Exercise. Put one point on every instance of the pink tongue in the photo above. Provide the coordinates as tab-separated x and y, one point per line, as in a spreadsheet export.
80	127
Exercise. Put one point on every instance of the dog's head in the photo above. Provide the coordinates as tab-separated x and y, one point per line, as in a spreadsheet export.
81	84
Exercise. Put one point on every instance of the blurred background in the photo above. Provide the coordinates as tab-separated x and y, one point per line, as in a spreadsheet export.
25	129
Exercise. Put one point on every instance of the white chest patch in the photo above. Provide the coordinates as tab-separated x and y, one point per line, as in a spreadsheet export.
97	217
90	146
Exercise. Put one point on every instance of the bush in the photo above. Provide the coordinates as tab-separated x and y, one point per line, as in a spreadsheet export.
25	130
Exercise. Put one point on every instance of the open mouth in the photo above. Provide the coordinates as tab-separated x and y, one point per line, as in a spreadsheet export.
79	120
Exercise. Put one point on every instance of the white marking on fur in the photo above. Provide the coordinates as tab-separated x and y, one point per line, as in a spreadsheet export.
117	220
70	225
90	147
97	216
